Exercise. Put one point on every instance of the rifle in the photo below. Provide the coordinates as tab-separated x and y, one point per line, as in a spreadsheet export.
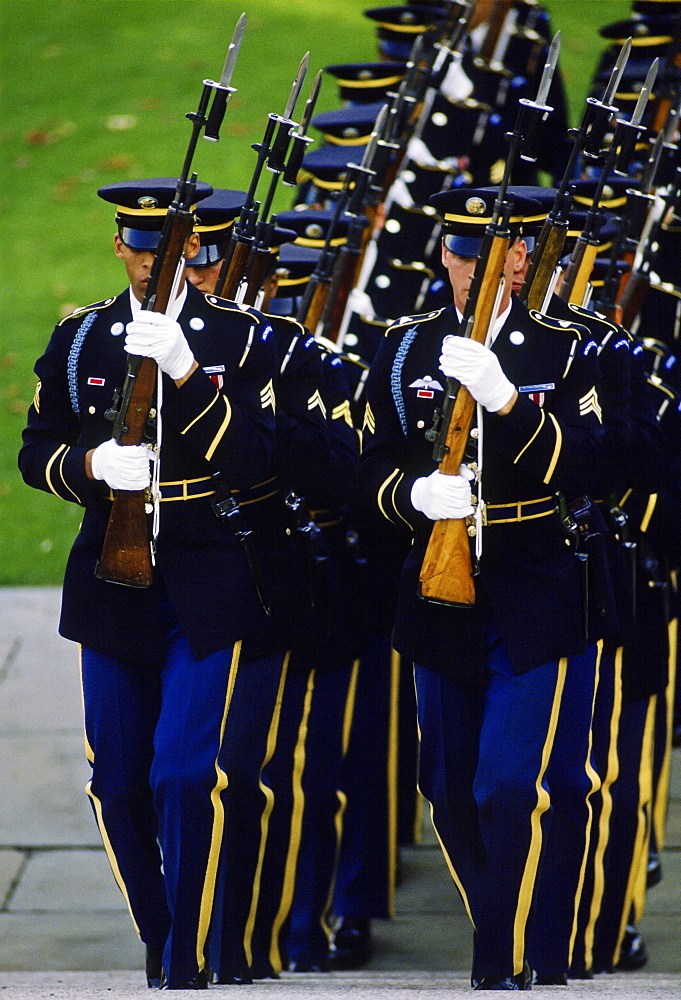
312	305
641	278
349	254
127	555
665	101
663	167
616	158
446	574
261	251
242	240
393	147
637	211
410	105
496	20
586	141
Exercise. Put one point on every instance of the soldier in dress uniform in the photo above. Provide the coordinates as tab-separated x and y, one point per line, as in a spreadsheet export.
339	706
302	799
176	721
489	677
577	836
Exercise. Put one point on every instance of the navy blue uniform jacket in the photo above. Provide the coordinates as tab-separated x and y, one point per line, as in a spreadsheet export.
221	419
529	580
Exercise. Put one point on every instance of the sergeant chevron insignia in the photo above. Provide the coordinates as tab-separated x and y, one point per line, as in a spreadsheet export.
342	412
590	404
267	397
316	400
369	420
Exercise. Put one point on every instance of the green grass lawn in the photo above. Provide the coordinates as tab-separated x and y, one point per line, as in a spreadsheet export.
95	91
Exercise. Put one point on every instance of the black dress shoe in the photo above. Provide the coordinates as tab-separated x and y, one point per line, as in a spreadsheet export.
602	965
197	982
633	953
323	965
654	869
236	980
351	946
153	967
579	972
521	981
558	980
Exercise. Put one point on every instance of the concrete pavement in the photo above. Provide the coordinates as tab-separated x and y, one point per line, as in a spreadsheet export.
64	928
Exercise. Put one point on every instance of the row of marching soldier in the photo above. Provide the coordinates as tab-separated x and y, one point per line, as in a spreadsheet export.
382	493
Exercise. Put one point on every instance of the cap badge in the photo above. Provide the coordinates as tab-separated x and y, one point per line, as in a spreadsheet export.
475	206
314	231
146	201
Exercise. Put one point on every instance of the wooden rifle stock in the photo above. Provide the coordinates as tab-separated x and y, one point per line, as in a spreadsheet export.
632	297
544	259
578	271
446	573
342	283
497	11
256	268
235	270
312	306
126	553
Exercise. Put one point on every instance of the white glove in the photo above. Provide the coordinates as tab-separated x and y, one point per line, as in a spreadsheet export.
478	369
122	467
440	496
155	335
456	85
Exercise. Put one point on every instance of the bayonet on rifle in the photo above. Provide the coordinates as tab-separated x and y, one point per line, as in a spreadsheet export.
616	75
300	137
223	89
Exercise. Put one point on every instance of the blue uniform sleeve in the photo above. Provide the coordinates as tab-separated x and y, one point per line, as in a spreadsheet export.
232	428
52	457
385	481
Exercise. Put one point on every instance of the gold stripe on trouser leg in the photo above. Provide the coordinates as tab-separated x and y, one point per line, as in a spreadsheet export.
340	795
534	852
418	798
418	815
595	785
452	870
639	858
208	892
612	772
391	776
108	848
661	792
89	752
296	826
265	816
647	758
